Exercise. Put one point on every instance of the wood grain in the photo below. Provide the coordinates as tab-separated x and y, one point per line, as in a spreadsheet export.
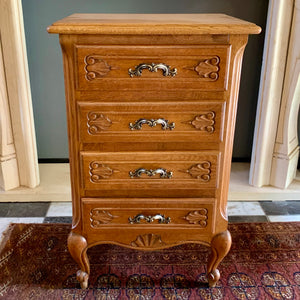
127	172
152	24
107	67
116	212
96	166
108	122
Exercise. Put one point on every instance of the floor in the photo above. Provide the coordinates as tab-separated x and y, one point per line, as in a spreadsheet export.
60	212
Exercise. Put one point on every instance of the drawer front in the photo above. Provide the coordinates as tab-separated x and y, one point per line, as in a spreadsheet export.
149	170
153	213
164	122
152	67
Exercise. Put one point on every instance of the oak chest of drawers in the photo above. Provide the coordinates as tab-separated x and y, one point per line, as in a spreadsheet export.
151	105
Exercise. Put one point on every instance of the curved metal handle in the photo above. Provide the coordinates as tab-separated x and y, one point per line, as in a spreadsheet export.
152	123
149	219
152	68
163	173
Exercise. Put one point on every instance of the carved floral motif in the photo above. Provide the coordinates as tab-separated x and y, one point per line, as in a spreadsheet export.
99	217
208	68
97	122
96	67
148	241
204	122
100	171
200	171
197	217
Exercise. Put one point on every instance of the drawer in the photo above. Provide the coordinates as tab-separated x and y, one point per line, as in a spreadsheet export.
164	213
155	68
149	170
151	122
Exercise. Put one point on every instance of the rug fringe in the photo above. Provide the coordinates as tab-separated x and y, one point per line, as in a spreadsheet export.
5	235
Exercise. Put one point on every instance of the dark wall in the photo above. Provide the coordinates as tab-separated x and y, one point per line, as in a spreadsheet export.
46	71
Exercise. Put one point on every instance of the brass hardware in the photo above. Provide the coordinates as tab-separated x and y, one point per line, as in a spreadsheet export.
152	68
152	123
149	219
163	173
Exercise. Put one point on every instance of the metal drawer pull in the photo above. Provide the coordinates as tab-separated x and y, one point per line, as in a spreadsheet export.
149	219
152	68
152	123
163	173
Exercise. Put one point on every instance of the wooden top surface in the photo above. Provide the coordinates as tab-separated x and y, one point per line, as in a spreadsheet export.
152	24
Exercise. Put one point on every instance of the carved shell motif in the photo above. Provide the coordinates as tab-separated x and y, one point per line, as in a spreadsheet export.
208	68
204	122
148	241
200	171
100	171
197	217
97	122
99	217
96	67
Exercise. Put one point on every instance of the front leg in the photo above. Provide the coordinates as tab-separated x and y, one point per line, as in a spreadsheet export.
77	245
220	246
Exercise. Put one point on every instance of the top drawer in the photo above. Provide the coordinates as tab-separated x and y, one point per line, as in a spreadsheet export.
152	67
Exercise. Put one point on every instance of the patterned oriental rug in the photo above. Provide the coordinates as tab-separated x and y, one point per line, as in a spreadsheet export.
264	263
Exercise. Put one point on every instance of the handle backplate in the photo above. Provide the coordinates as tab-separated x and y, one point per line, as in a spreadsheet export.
163	173
152	68
137	125
149	219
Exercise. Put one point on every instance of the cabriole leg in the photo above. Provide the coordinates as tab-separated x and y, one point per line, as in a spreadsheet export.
77	245
220	246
